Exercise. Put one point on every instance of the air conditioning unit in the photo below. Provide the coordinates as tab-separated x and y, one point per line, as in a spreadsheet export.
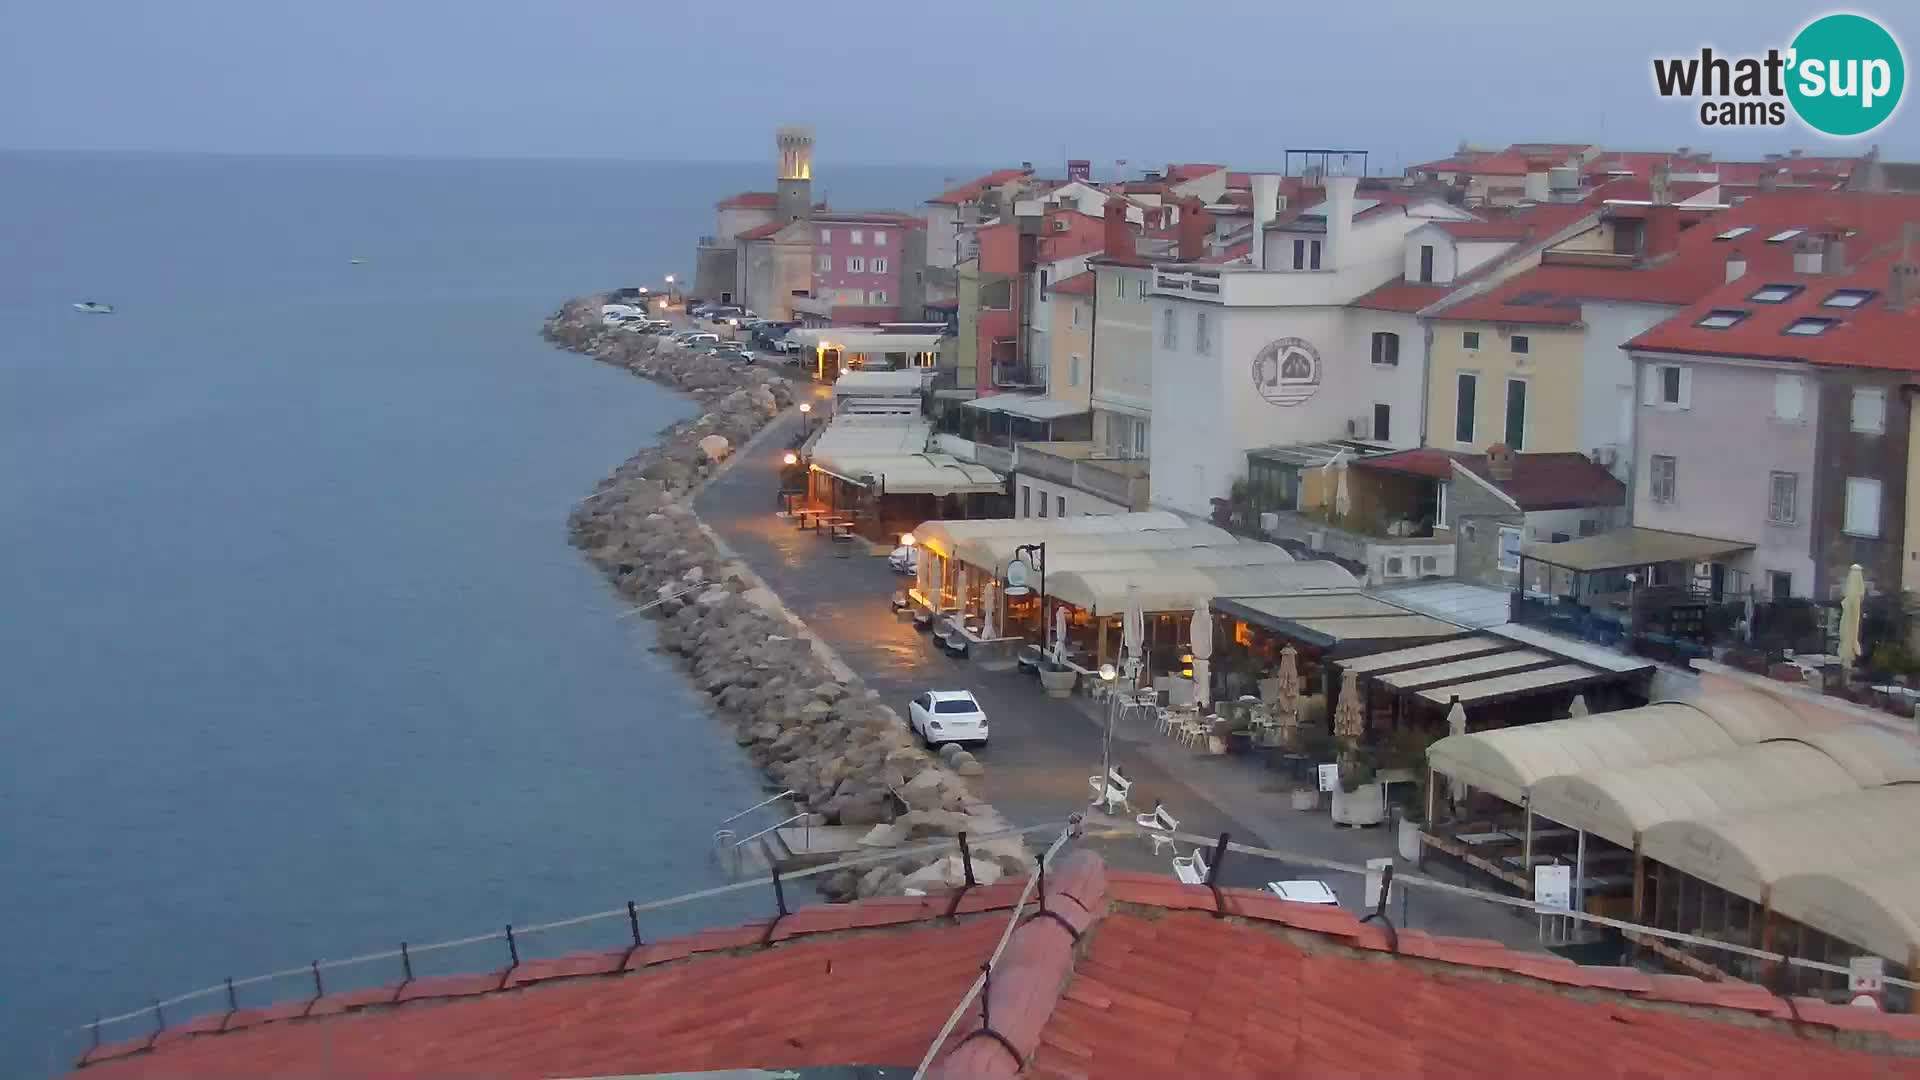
1360	427
1317	540
1269	522
1605	456
1393	566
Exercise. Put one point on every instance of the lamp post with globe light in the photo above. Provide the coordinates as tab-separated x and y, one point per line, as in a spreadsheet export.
1108	674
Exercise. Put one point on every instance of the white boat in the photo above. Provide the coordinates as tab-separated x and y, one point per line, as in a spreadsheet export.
93	307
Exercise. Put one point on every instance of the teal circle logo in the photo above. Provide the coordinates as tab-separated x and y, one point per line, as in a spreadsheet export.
1846	76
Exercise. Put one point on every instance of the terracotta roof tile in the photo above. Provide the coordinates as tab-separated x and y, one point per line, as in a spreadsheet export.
761	232
750	200
978	186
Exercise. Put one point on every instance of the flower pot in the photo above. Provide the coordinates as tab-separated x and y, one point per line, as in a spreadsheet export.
1058	682
1306	799
1409	841
1364	805
1216	744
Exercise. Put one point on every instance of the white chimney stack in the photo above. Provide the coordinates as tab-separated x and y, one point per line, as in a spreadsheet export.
1266	206
1339	208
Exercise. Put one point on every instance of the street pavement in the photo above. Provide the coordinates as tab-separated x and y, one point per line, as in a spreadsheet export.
1043	750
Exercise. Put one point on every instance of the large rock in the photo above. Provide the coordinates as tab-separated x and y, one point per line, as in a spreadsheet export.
925	791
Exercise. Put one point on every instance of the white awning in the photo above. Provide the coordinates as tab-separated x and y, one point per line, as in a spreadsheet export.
993	552
1169	587
943	537
850	436
1028	406
912	474
1877	909
904	383
1746	853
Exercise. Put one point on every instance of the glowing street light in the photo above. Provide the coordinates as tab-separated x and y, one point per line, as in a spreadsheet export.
1107	675
791	458
669	279
906	539
806	406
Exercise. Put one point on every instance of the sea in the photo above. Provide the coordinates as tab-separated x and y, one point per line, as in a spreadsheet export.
295	661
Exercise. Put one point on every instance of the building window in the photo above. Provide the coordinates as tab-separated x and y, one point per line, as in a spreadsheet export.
1060	506
1662	476
1789	397
1782	497
1863	507
1076	315
1669	386
826	264
1470	339
1299	254
1589	527
1869	410
1119	287
1440	504
879	237
1043	504
1026	501
1140	438
1809	326
1170	329
826	236
1516	414
876	297
1386	348
1721	318
1774	294
1519	343
1382	423
879	264
854	236
1203	333
1780	584
1073	370
1313	255
1426	262
1463	405
1046	276
1509	549
1848	298
856	265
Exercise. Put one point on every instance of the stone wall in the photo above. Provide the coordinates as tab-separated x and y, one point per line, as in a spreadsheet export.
801	714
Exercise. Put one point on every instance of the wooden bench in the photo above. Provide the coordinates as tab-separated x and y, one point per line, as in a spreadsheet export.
1162	826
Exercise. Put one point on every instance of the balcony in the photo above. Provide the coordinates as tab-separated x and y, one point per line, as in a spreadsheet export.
1388	551
1081	466
1246	287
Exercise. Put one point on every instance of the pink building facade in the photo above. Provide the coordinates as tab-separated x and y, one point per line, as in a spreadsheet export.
858	258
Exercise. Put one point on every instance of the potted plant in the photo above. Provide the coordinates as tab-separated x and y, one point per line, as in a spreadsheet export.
1413	816
1314	747
1057	679
1360	799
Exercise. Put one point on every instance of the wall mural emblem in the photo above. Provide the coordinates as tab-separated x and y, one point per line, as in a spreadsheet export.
1287	371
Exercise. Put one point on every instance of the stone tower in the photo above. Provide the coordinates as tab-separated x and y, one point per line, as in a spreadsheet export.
796	172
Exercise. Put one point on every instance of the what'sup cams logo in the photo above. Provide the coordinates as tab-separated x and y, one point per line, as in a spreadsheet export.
1842	75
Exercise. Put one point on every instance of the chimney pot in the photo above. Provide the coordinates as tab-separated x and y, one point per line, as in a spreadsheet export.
1500	462
1901	283
1195	226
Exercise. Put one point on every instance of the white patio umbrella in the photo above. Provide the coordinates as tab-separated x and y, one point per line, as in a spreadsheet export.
1060	634
990	609
1342	501
1133	636
1201	634
1850	602
1457	719
1578	707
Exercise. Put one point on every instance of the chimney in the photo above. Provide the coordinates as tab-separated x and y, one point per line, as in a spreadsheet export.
1808	254
1079	169
1500	463
1658	185
1339	208
1661	235
1770	180
1537	189
1195	226
1266	203
1903	281
1119	236
1026	166
1736	266
1834	261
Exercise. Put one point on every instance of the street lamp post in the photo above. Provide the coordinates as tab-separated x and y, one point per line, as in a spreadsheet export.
1108	675
1040	567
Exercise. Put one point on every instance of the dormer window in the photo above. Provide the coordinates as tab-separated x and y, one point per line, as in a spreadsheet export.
1810	325
1735	233
1775	294
1784	235
1721	318
1848	298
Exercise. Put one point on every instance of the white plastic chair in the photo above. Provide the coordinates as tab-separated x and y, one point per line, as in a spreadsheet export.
1191	868
1113	792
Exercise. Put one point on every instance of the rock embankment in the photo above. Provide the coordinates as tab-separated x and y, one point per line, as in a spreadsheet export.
803	717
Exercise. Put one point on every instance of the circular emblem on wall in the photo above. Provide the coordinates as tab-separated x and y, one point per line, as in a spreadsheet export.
1287	371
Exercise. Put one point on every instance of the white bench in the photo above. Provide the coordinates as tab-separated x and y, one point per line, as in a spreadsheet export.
1191	868
1113	792
1161	824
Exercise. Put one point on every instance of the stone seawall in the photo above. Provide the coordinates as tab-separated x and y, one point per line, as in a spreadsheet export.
801	714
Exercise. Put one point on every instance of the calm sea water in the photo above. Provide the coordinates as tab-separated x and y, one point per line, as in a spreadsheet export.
295	660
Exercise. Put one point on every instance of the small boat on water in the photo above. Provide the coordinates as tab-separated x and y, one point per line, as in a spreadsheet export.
93	307
357	262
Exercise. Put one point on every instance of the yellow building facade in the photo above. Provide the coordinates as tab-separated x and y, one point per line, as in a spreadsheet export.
1517	384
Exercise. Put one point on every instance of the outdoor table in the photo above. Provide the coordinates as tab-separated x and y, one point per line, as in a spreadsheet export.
808	514
1481	838
842	528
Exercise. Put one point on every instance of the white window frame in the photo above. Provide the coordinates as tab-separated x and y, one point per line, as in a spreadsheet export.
1797	394
1473	414
1440	505
879	237
1857	489
1203	333
826	236
1783	498
1875	421
1526	411
856	237
1658	492
878	264
876	297
1170	329
1139	437
856	265
1377	350
1374	422
825	263
1510	553
1654	394
1073	370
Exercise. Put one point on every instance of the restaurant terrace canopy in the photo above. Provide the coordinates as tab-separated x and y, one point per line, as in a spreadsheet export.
1330	621
1171	587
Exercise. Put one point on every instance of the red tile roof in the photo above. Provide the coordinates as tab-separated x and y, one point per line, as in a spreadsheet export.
1233	253
1158	985
749	200
1635	189
761	232
1080	284
1402	295
871	217
1871	335
1551	294
974	188
1191	171
1239	181
1557	481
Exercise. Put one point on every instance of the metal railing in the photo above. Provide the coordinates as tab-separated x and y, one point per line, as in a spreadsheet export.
804	818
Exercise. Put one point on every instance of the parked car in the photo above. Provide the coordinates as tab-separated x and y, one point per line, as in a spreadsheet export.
658	326
699	310
787	345
733	352
695	339
904	560
942	716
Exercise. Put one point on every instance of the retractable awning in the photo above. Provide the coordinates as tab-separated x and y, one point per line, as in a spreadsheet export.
1623	549
1327	621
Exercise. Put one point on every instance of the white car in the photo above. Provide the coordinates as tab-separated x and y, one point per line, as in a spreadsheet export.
905	560
1304	892
699	339
942	716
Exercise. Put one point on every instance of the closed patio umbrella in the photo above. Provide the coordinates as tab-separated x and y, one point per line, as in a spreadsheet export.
1457	719
1286	710
1850	602
1133	635
1201	634
990	609
1578	706
1060	634
1349	718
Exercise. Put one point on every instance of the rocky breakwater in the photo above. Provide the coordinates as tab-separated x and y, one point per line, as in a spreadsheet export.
803	717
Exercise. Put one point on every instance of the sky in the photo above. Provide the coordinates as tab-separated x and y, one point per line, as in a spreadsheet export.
899	82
